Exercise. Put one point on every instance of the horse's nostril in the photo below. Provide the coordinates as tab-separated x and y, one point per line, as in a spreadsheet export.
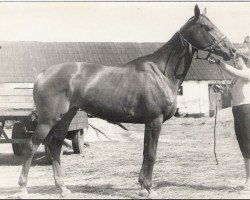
233	50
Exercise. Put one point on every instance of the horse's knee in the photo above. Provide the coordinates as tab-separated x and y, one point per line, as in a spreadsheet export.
149	157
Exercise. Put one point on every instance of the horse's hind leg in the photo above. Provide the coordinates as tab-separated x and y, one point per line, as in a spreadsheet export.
152	132
40	133
50	110
55	146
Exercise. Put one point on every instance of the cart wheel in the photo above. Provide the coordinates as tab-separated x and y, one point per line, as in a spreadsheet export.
78	142
19	132
48	154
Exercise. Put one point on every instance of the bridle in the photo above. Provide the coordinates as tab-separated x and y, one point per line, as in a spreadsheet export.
191	50
210	48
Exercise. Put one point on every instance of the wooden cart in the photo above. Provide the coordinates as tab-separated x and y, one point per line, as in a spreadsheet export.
17	105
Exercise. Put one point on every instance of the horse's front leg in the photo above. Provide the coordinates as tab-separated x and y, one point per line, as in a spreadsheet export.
152	132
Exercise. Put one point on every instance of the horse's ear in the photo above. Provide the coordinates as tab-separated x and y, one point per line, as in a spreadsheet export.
196	11
204	11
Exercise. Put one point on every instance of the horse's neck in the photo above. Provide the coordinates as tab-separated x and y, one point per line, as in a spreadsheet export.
168	56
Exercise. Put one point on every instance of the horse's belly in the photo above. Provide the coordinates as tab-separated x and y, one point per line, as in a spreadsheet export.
116	101
129	106
111	109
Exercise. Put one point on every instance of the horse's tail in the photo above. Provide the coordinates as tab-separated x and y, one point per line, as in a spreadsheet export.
54	88
38	77
35	85
45	82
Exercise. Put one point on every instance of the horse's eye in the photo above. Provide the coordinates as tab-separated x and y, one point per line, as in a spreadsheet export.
199	25
207	28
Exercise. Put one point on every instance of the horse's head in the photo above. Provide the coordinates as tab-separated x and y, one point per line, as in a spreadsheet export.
202	34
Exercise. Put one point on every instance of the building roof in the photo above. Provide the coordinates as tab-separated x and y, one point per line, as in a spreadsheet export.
23	61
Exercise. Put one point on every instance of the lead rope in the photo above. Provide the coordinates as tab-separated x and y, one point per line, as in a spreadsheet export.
215	118
215	123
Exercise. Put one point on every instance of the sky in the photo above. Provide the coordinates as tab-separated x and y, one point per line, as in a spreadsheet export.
115	21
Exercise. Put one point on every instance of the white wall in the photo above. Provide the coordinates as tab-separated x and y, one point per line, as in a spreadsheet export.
16	96
195	98
15	85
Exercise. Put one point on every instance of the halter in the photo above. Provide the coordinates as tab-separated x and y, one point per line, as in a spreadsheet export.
210	49
190	46
207	48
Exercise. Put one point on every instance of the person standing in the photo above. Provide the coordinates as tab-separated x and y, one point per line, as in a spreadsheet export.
241	103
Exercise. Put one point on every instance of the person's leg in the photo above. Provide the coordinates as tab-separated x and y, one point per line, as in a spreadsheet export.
245	129
242	130
247	167
237	128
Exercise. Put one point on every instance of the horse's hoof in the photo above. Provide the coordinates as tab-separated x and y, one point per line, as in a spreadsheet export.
23	194
66	192
144	193
153	195
245	191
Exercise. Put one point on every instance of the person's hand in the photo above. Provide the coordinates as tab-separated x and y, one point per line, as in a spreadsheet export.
217	88
213	60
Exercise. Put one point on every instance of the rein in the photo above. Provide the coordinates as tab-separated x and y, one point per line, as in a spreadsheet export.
183	55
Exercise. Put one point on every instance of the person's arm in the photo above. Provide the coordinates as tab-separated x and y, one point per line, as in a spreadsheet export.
239	73
243	74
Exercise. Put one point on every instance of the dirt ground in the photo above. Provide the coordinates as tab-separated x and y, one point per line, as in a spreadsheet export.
185	166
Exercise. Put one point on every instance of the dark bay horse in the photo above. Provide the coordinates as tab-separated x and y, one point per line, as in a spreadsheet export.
141	91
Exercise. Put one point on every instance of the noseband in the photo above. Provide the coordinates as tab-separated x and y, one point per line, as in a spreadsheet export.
205	49
210	49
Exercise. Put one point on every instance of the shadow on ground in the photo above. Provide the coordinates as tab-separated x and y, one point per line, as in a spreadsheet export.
104	190
8	159
192	186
